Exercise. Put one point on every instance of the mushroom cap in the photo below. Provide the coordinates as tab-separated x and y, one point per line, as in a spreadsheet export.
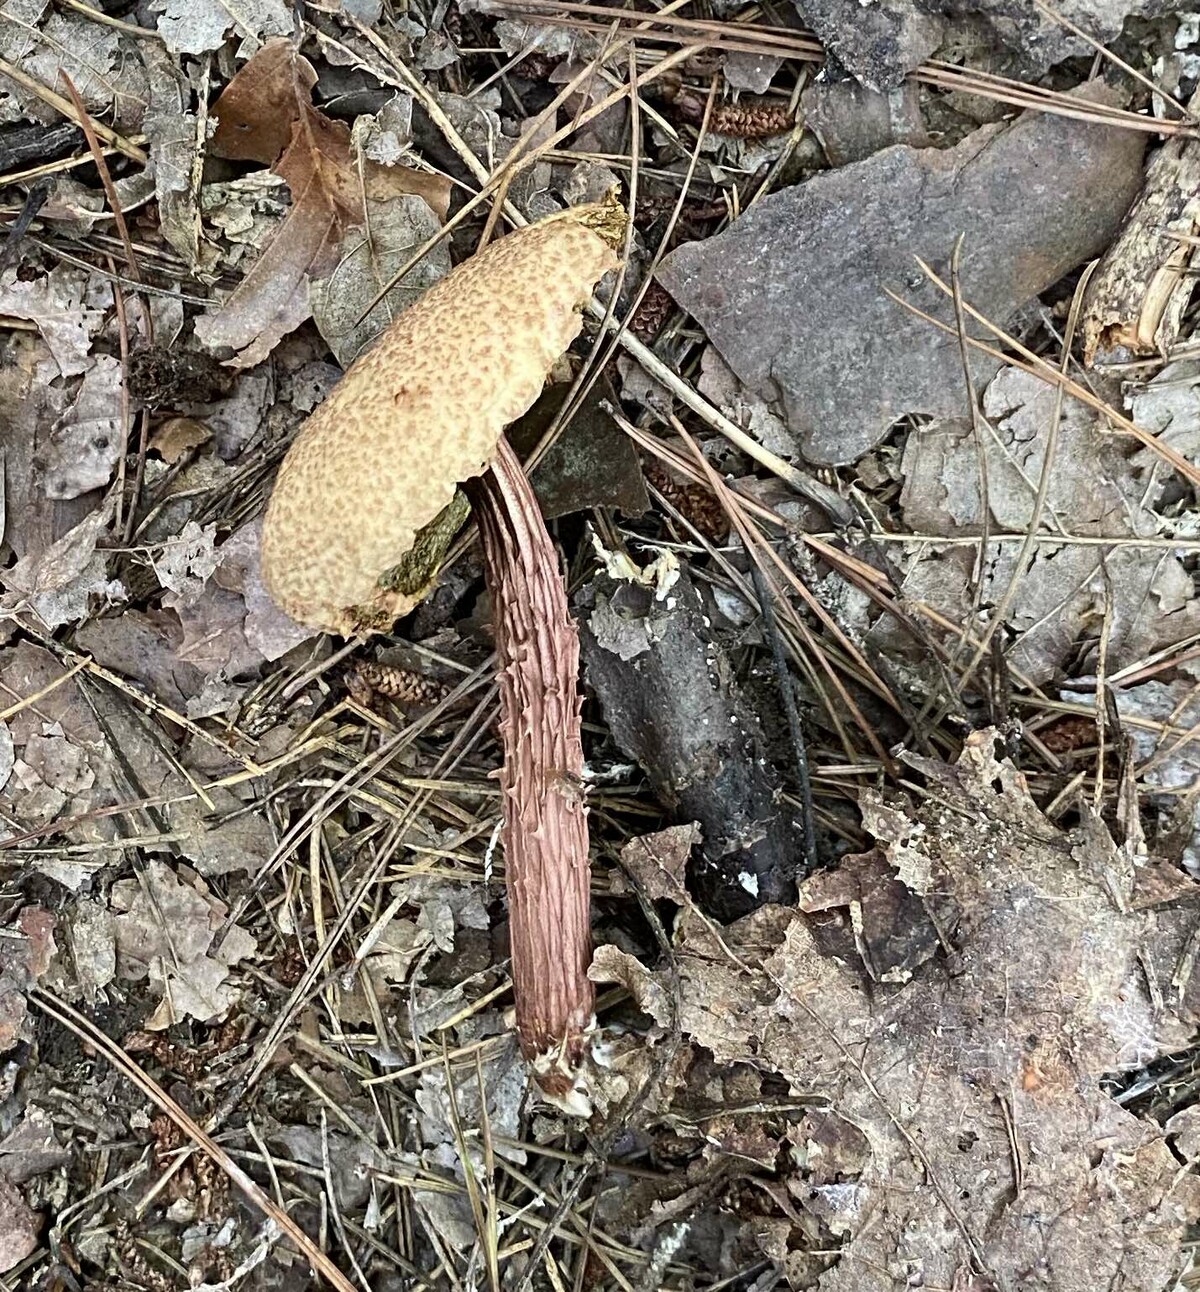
417	414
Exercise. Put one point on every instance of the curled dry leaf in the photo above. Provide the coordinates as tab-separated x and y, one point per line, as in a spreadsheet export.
178	436
174	147
61	583
266	114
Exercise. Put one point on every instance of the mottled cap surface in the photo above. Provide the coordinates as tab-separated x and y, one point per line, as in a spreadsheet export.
422	411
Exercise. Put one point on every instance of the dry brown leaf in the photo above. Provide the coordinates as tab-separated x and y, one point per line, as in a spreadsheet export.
196	26
341	302
177	436
29	947
993	1155
31	1148
658	861
174	146
63	309
266	114
187	561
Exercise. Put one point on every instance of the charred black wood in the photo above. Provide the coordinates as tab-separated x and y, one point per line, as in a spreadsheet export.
669	697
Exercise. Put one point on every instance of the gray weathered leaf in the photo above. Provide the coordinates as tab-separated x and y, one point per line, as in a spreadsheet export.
59	583
86	444
171	132
197	26
398	226
185	563
56	304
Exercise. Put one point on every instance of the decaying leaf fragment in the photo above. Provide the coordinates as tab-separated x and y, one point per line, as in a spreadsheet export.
1143	596
165	932
174	152
266	114
196	26
993	1156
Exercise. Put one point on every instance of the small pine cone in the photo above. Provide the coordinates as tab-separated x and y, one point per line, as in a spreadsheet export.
693	501
652	313
400	684
751	120
1068	734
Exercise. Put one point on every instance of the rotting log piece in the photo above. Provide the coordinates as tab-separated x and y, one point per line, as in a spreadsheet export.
669	698
1135	302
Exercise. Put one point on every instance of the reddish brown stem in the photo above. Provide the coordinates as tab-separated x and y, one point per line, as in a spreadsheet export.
545	823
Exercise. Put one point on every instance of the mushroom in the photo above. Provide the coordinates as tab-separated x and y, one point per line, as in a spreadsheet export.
366	502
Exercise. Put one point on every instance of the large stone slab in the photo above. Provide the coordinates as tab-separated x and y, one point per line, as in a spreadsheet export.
794	293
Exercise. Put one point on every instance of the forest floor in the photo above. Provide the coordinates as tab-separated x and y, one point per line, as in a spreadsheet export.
873	478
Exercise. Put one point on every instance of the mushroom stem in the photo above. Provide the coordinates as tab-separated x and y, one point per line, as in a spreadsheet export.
545	823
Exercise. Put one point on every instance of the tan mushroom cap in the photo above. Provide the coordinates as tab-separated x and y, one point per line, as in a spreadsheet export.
420	412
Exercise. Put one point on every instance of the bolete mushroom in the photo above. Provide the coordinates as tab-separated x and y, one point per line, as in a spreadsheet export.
366	502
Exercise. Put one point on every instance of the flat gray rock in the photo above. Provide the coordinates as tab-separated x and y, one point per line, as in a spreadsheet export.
794	293
880	41
1037	40
877	41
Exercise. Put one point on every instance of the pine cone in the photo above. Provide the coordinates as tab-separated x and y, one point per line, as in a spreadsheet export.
652	313
693	501
368	679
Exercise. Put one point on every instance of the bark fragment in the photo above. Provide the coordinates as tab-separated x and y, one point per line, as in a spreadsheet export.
1136	301
668	695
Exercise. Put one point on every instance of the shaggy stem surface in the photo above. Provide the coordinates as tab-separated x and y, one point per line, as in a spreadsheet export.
545	823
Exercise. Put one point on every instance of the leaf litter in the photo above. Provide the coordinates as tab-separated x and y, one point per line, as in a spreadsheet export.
265	114
1097	489
266	864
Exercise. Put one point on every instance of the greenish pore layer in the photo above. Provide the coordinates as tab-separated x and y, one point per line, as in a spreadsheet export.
420	563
